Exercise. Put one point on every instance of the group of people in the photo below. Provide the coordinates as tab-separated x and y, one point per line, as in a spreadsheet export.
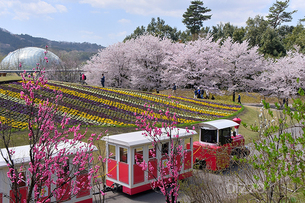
199	93
83	78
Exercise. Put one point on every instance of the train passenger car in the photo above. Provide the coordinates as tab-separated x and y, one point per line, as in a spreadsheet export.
218	142
124	150
21	157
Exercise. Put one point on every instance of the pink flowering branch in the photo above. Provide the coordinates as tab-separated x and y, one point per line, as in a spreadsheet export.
56	161
168	167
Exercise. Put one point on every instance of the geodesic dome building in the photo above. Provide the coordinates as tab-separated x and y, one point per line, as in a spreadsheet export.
28	58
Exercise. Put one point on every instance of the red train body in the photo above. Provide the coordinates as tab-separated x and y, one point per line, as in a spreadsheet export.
214	150
217	144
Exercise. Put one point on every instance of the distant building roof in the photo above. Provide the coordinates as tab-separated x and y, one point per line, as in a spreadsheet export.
29	57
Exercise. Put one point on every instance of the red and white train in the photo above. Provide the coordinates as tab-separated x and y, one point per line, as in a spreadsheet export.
217	144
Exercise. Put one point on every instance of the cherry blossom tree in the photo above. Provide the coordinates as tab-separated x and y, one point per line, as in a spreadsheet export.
284	76
148	53
241	67
137	63
114	63
193	63
55	161
149	62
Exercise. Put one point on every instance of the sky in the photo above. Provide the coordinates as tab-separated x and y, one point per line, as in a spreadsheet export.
106	22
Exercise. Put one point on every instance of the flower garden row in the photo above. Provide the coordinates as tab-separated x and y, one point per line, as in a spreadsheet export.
91	105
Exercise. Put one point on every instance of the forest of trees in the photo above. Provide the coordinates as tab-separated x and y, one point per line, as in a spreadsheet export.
272	38
150	62
263	56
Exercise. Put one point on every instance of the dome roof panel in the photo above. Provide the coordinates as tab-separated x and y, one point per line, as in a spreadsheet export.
28	58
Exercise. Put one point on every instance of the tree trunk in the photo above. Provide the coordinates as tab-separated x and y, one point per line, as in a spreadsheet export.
233	96
194	36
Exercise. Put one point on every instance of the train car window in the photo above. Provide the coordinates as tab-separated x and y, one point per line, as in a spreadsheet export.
123	155
165	148
138	155
225	136
152	152
187	141
209	136
111	151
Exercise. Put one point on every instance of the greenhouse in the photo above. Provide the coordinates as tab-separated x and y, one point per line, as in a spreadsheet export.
29	57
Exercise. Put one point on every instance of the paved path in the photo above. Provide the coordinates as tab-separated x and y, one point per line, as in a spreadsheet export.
260	105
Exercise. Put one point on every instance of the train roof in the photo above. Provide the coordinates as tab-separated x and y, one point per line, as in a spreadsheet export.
21	153
139	138
219	124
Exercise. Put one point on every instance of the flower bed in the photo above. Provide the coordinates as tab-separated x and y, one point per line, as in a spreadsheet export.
92	105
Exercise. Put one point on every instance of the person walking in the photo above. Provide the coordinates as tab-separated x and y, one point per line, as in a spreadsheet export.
195	93
198	93
103	80
201	93
238	99
174	89
84	78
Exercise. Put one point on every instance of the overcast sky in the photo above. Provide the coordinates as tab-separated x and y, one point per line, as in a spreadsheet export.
106	22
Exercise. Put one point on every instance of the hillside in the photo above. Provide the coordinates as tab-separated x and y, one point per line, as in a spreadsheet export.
96	106
10	42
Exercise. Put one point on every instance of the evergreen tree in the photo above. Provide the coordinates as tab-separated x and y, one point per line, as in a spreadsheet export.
186	36
278	14
297	37
157	28
194	17
255	29
271	45
239	34
136	33
222	31
284	31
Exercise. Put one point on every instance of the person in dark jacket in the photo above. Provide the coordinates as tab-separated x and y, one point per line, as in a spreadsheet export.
195	93
103	80
174	89
198	93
